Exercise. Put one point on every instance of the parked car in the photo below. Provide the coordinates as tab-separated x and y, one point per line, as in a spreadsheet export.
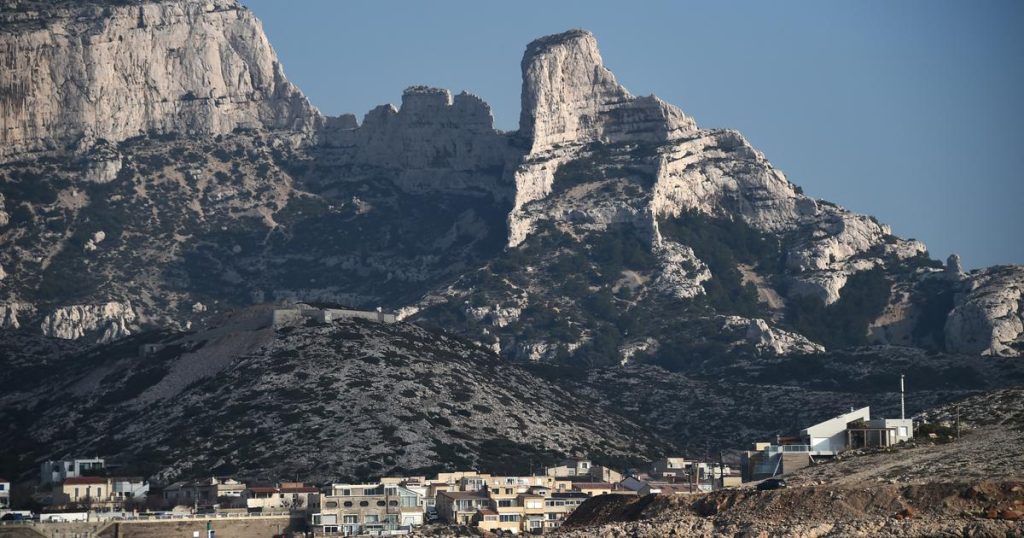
771	483
13	516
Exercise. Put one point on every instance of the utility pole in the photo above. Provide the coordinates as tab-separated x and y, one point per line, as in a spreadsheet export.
958	422
903	406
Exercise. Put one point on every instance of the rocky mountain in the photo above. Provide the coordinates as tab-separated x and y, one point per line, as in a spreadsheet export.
658	285
354	399
612	223
347	400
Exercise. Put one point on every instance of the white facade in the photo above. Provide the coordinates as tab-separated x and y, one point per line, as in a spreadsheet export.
54	472
829	437
127	488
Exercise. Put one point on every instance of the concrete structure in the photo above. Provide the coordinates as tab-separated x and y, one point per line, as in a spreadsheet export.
379	508
222	491
128	488
55	472
282	317
460	507
5	493
824	440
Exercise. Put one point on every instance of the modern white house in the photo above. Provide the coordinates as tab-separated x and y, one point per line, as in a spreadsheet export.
824	440
55	472
829	438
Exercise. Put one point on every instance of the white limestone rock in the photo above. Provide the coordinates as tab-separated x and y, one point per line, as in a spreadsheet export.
434	142
95	240
5	217
682	273
104	322
188	66
988	318
767	339
570	99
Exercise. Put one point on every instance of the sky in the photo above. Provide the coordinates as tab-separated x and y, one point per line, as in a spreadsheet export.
910	111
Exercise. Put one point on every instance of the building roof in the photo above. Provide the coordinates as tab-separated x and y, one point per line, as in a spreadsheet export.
592	485
463	495
127	479
300	489
570	495
487	512
74	481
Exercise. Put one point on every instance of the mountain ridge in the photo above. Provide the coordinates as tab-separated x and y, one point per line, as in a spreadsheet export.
590	161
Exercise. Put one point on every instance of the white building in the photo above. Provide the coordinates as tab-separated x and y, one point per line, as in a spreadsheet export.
54	472
5	493
127	488
829	437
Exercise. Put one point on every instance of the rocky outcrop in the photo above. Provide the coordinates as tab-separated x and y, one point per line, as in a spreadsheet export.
434	142
570	99
88	71
988	318
770	340
104	322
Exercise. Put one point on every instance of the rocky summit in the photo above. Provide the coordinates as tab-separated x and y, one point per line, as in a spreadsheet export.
159	175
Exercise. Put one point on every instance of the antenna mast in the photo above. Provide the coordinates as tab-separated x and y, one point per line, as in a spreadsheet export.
903	406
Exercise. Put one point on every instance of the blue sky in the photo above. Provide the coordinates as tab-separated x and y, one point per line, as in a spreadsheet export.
911	111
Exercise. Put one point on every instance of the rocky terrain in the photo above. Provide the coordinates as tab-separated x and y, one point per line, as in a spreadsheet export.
348	400
932	486
936	509
610	279
595	234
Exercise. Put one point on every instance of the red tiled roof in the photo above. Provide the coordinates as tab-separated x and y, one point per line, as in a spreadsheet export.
85	480
303	489
487	512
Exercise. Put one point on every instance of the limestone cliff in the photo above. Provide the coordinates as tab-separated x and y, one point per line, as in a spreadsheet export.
72	73
433	142
988	318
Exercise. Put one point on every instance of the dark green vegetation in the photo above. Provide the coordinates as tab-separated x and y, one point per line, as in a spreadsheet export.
845	322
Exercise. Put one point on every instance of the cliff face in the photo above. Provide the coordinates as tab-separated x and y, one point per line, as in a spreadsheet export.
612	209
75	73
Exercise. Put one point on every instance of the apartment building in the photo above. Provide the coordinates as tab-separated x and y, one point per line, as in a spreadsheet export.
354	509
57	471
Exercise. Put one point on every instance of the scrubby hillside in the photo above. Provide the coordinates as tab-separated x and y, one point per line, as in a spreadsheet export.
349	400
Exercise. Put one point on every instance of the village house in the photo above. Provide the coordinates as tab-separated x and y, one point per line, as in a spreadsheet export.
55	472
460	507
128	488
287	496
91	490
222	491
368	509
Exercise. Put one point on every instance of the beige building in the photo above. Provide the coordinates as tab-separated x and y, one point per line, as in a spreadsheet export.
86	490
287	496
352	509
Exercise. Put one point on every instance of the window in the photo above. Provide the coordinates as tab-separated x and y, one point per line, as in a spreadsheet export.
391	491
346	493
381	503
330	528
371	518
508	518
364	503
348	504
350	519
328	519
392	503
332	504
504	503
